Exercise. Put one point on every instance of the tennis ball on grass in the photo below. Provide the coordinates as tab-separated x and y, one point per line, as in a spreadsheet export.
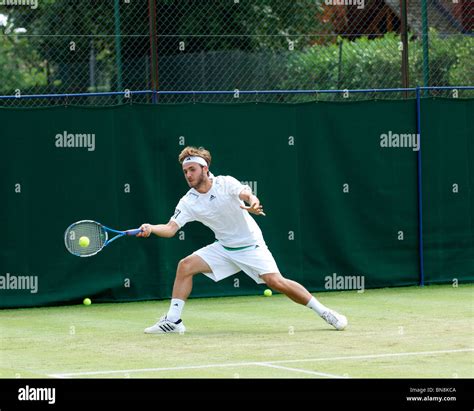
87	301
84	241
267	293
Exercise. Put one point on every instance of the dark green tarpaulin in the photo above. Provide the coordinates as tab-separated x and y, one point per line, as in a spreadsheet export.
336	201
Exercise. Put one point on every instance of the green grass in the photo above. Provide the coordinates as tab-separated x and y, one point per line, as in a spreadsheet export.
249	337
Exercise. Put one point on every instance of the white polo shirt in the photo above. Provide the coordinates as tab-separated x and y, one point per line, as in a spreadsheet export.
219	209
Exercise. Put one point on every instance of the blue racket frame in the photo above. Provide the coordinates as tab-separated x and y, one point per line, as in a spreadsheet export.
120	233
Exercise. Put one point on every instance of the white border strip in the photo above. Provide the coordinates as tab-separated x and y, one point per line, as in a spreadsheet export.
264	364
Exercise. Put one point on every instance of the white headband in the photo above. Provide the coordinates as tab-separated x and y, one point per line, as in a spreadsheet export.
195	159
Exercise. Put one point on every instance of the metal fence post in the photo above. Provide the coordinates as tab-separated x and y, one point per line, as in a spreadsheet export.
425	41
118	47
153	49
420	191
404	39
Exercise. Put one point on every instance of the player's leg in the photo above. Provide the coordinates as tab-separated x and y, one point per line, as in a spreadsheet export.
212	262
187	268
260	265
183	284
290	288
300	295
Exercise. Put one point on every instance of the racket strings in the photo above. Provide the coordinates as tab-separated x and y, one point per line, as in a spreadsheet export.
90	229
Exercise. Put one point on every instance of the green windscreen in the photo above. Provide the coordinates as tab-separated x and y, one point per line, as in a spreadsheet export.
341	199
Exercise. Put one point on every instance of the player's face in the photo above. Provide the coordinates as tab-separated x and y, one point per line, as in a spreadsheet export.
195	174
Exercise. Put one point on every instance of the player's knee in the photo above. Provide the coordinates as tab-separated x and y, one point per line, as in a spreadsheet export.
185	267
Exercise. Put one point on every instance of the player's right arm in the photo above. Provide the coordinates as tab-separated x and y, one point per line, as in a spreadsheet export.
182	215
161	230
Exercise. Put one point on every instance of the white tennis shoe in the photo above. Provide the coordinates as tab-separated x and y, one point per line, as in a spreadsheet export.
338	321
165	326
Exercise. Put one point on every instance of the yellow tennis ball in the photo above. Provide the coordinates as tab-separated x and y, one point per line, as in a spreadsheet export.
84	241
87	301
267	293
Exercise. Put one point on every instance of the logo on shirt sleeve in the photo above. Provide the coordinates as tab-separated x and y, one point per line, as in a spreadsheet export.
177	212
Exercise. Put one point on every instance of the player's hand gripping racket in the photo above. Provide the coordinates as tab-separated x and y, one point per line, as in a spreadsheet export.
86	238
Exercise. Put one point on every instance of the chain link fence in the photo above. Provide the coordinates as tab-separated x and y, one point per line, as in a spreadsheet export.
90	46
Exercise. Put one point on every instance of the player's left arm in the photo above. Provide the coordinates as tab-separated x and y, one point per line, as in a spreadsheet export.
255	206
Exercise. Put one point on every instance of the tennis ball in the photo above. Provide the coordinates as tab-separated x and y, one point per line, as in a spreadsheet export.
84	241
87	301
267	293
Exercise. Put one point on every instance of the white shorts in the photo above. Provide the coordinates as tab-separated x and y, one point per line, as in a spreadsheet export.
253	261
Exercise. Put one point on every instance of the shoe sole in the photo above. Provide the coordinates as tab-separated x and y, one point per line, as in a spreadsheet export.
169	332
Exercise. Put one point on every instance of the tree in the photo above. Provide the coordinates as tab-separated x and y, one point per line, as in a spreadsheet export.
76	38
21	65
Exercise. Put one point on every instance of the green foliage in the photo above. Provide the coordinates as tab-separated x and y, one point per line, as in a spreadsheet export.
52	28
224	25
204	25
21	65
365	63
290	21
42	58
451	59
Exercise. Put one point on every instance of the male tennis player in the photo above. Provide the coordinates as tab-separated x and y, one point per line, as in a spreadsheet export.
218	203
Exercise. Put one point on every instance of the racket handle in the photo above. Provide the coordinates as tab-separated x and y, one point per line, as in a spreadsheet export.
133	232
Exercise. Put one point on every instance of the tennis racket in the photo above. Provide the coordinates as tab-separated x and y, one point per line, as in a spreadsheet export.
86	238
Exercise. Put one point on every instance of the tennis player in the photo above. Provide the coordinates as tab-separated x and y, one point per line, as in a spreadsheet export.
218	203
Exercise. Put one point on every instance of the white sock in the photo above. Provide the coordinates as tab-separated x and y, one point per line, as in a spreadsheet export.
316	306
176	307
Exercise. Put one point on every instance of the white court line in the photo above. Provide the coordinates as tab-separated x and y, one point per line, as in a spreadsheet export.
361	357
184	367
242	364
321	374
